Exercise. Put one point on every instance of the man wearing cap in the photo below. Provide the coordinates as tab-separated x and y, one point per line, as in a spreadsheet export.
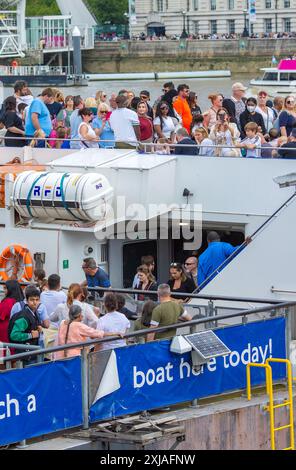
125	124
291	144
145	96
236	104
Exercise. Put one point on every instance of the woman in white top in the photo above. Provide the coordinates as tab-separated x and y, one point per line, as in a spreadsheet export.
266	112
75	297
86	133
111	320
205	145
164	125
225	133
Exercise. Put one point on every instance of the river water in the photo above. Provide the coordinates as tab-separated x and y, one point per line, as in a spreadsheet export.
203	87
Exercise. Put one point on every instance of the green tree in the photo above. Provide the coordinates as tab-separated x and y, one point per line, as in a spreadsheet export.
42	8
109	10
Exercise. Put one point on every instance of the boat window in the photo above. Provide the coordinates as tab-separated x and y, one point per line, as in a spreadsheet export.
271	76
292	76
284	77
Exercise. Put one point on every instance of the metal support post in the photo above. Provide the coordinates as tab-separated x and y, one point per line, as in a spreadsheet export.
84	372
22	444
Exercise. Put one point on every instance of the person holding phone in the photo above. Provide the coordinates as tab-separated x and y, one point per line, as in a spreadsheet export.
225	133
102	127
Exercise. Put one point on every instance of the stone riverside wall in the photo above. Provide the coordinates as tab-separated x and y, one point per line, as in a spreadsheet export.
239	56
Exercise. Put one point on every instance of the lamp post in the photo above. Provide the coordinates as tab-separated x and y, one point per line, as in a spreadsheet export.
276	15
245	31
128	17
184	34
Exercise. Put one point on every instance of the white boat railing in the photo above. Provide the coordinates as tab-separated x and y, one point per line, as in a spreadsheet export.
35	70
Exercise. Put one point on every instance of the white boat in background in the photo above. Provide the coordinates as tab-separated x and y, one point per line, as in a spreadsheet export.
279	80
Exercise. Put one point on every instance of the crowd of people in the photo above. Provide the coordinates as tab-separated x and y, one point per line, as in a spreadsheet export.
232	126
44	315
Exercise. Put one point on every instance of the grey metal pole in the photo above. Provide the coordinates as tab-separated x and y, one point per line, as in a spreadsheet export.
84	372
22	444
77	59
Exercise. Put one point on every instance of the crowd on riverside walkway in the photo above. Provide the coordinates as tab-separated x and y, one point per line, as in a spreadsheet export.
43	315
232	126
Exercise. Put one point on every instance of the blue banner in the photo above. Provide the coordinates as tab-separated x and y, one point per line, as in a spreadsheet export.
40	400
150	376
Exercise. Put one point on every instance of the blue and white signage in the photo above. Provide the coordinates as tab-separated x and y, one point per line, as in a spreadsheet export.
40	400
150	376
252	11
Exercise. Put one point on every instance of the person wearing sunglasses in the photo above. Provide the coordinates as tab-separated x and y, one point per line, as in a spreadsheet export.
145	96
193	104
164	126
102	128
191	268
179	282
287	118
226	134
86	133
101	97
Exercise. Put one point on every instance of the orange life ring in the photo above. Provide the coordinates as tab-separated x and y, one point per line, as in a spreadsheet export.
18	260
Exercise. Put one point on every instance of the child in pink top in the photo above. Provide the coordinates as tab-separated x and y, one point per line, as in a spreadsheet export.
74	331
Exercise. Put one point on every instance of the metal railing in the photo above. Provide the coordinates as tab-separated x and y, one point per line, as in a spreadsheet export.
281	309
35	70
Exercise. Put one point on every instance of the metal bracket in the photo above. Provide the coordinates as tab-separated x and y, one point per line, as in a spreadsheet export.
179	439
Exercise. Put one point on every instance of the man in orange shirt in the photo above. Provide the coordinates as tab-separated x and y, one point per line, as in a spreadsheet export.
182	107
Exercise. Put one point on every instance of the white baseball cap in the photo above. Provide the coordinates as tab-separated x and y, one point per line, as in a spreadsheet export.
239	86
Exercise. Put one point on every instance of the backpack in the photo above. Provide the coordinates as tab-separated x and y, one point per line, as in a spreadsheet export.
32	321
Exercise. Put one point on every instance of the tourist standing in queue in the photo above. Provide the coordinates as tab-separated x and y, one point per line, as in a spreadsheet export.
179	282
125	124
41	309
101	125
64	116
236	104
75	122
169	312
266	112
213	257
182	107
145	96
204	144
185	145
54	296
13	123
225	135
146	125
210	116
22	95
87	135
38	115
113	321
12	294
250	115
191	266
163	123
146	283
73	331
54	107
193	104
287	118
95	276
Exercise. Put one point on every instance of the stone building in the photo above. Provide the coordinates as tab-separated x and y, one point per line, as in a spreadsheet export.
213	16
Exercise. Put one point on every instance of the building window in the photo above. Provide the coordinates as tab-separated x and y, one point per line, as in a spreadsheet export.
252	28
195	5
268	25
196	27
230	4
231	26
287	25
287	3
159	5
213	26
213	5
267	3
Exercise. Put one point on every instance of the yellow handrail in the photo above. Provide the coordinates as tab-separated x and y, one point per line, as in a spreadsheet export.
269	391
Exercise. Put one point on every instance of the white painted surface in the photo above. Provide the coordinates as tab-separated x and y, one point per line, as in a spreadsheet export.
78	10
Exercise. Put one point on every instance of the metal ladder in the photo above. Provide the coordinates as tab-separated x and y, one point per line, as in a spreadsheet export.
271	407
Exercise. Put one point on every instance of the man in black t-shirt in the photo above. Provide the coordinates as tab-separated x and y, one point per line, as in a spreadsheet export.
54	108
284	151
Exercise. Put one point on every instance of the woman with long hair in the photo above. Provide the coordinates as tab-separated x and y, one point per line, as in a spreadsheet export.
193	104
163	123
266	112
144	322
13	294
205	145
74	331
225	133
179	282
146	126
251	115
210	116
287	118
146	282
76	296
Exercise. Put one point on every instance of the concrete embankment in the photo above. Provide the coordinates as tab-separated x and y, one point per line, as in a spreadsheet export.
239	56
